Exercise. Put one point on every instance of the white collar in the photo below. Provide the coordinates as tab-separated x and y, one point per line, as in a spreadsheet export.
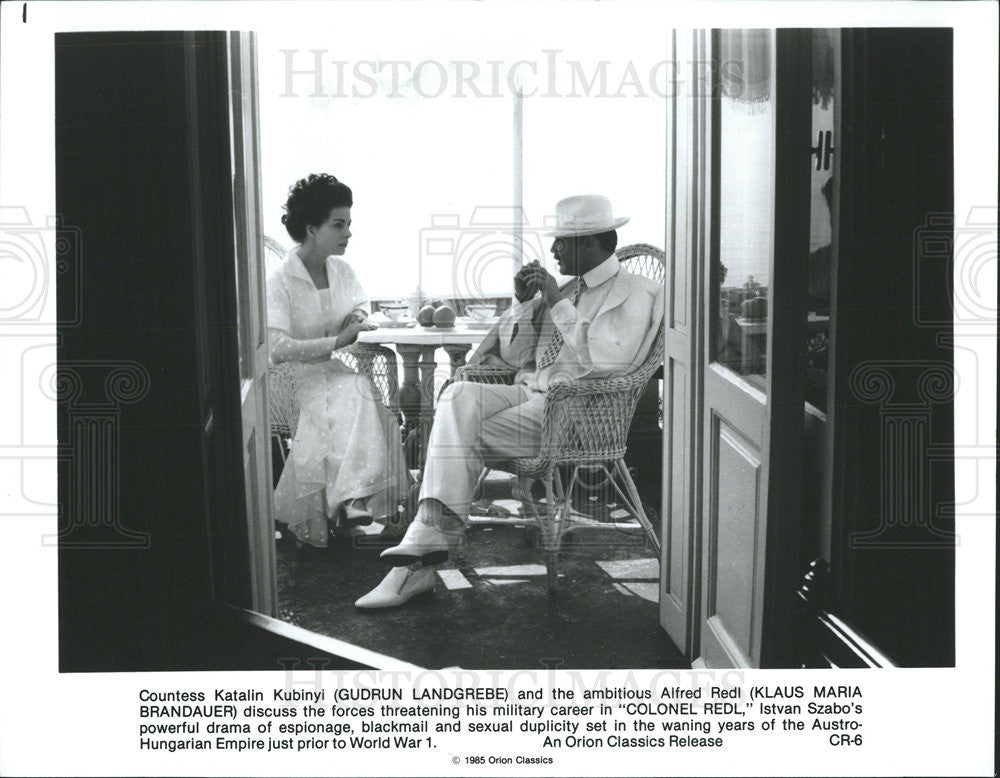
605	271
297	268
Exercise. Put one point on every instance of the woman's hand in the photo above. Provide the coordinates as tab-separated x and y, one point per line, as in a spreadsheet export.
353	316
352	326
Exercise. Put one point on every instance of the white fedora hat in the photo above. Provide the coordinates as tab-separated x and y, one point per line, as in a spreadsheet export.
584	215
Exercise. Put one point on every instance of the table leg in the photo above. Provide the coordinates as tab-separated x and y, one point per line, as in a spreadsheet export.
456	353
416	395
411	400
427	367
416	398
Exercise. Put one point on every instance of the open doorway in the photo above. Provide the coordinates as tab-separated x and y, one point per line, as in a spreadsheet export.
456	155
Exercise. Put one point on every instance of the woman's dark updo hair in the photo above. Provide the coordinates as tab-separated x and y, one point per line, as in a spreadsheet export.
310	201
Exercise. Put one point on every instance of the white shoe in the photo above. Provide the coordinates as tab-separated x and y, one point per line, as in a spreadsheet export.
421	543
400	586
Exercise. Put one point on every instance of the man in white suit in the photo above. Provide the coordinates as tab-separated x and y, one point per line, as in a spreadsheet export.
601	324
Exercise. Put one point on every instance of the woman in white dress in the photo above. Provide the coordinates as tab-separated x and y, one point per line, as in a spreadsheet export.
346	462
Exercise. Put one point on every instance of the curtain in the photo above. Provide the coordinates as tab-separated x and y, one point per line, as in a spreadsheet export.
745	67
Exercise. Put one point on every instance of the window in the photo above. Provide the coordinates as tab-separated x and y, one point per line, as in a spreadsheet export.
744	132
442	154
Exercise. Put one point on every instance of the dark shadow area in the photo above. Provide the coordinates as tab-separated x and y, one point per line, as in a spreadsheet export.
604	615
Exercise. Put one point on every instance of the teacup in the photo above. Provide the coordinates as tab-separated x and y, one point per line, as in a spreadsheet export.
480	311
394	310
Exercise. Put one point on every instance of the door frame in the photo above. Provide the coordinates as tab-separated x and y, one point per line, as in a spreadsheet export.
688	171
793	158
251	321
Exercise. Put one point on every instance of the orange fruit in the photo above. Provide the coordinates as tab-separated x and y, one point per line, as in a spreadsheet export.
425	317
444	316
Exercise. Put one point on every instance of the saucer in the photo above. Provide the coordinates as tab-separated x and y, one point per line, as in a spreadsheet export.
475	324
389	323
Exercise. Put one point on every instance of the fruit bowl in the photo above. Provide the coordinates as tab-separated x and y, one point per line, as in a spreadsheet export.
480	312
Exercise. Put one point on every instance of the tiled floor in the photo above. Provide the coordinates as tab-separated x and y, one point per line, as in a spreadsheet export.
492	608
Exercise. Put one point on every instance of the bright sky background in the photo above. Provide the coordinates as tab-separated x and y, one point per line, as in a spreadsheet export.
422	151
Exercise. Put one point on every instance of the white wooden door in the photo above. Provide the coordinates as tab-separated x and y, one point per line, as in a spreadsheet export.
754	282
686	248
252	322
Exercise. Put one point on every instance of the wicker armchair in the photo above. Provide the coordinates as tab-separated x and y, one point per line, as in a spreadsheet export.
584	429
643	259
376	362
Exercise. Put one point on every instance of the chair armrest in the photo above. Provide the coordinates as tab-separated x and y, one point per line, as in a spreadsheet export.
365	358
284	409
369	348
378	364
485	374
481	374
634	382
587	420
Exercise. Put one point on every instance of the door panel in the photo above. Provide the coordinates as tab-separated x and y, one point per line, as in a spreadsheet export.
739	332
676	500
735	516
759	127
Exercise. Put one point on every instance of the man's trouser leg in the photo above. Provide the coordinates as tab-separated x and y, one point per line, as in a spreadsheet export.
470	421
